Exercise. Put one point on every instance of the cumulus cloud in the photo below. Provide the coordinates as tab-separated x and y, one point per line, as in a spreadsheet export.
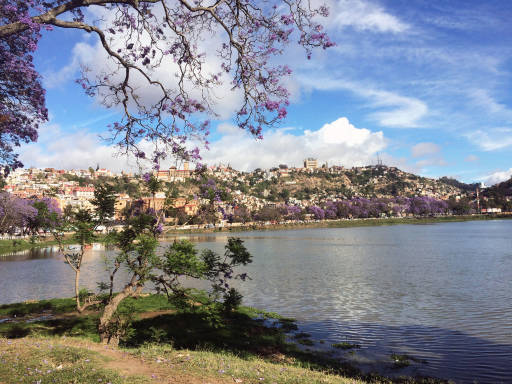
425	149
338	142
90	55
498	177
364	15
77	150
492	139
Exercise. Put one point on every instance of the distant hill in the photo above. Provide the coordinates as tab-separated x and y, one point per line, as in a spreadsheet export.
498	196
458	184
323	184
501	189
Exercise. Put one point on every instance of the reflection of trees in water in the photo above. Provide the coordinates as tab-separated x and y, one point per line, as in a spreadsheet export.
31	254
199	238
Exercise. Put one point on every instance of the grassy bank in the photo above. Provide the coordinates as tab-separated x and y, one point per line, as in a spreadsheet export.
57	360
17	245
10	246
164	344
344	223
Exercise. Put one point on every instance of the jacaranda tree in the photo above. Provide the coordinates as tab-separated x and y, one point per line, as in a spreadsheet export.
202	43
166	66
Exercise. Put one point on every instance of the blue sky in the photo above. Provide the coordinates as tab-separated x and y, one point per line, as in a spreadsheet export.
424	85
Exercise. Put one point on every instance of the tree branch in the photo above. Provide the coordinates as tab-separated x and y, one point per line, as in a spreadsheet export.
49	16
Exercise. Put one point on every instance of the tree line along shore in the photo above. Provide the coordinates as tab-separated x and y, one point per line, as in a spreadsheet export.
13	244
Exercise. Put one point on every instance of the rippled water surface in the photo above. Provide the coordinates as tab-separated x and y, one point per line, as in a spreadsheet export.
440	293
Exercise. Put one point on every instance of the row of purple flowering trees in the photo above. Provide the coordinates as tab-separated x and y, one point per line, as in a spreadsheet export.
27	216
357	208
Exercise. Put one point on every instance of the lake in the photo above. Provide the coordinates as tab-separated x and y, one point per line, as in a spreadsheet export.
439	293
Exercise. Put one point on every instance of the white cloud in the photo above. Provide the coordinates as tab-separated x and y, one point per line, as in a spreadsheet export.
338	142
405	112
81	149
492	139
498	177
471	158
483	98
394	110
91	55
364	15
436	161
430	155
69	72
425	149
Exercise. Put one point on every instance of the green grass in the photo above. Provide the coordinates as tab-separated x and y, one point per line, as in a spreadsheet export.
243	332
239	368
240	343
23	309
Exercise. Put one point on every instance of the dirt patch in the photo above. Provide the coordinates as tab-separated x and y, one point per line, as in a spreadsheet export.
158	371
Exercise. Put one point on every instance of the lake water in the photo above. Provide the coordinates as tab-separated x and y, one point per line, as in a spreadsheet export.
439	293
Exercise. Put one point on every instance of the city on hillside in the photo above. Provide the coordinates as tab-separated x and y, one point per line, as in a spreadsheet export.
221	195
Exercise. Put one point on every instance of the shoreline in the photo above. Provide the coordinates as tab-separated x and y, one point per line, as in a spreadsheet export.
7	246
339	223
273	339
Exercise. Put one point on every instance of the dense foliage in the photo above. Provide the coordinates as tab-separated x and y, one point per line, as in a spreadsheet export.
15	213
23	216
22	97
358	208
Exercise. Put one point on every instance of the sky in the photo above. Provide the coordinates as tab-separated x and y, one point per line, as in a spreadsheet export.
424	85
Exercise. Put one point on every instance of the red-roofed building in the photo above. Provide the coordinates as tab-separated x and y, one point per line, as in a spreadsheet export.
84	192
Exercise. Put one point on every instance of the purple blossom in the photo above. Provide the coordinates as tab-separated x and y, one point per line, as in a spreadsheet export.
174	117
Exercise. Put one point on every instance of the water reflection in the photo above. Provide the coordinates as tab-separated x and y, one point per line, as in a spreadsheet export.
434	351
441	292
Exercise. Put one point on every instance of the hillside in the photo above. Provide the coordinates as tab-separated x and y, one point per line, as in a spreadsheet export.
335	183
499	195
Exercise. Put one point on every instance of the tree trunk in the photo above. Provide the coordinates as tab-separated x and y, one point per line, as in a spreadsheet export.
112	274
77	291
105	324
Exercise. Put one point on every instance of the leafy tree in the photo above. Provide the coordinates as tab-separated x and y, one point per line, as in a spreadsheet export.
67	213
214	193
284	194
15	213
104	201
84	227
153	185
47	218
139	36
268	214
318	213
138	242
241	214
